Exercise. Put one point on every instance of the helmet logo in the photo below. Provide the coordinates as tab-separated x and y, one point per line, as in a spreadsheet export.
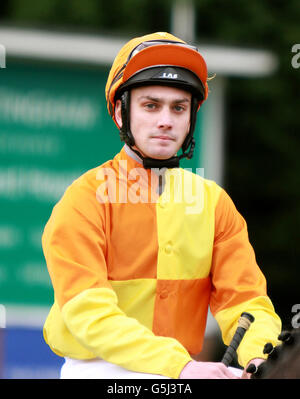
169	75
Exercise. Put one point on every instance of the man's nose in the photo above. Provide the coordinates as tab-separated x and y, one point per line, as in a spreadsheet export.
165	119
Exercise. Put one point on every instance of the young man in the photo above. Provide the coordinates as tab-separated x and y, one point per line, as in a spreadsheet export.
138	248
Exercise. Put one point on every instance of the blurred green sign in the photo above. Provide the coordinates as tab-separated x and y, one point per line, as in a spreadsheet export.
53	127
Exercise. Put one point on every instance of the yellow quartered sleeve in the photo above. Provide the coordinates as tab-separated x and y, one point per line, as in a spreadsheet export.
265	328
95	320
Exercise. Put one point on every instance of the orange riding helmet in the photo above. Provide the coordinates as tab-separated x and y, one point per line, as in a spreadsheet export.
157	59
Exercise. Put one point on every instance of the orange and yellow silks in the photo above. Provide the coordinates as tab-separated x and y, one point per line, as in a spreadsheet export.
134	271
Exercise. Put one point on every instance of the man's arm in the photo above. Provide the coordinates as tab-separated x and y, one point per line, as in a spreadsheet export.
239	285
75	245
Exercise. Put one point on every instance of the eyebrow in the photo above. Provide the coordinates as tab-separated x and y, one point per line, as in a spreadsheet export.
158	99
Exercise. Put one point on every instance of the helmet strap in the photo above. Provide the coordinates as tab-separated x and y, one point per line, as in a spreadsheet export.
125	132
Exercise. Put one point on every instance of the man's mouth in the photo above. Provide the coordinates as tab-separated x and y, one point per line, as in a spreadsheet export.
163	137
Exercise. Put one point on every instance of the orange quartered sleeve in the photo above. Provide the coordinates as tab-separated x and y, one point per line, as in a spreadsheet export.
238	284
74	243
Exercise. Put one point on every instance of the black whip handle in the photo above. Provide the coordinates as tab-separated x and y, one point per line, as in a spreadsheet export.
243	324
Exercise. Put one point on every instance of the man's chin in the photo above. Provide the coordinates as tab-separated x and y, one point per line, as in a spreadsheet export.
159	154
160	157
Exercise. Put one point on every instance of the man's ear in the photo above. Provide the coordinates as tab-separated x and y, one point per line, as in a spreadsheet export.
118	113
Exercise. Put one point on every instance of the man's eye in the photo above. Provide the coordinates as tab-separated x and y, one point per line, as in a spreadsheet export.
178	108
150	106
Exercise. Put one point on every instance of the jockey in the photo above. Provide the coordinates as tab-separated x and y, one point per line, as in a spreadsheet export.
139	249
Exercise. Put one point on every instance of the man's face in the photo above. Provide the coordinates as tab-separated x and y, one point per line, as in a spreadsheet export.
159	120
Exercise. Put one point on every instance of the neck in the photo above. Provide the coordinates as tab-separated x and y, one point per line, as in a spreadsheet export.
132	154
152	163
159	173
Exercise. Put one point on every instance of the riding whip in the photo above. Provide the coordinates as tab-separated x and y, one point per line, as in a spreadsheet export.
243	325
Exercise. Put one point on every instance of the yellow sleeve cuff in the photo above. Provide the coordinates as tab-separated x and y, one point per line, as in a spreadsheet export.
265	328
